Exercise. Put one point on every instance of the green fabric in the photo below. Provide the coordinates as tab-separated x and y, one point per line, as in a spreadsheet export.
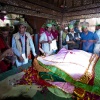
97	74
97	24
14	70
64	36
71	26
50	76
84	26
48	96
55	71
49	25
58	92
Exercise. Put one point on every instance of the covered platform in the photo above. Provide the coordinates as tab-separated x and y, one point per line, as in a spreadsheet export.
37	79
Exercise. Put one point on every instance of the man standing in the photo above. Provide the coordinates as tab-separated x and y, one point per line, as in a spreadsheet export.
97	45
21	45
65	32
88	39
46	39
73	39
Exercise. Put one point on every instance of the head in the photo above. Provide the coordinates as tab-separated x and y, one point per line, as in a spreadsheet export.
84	29
53	27
62	26
12	28
5	32
71	28
49	27
22	28
7	25
97	27
66	29
42	30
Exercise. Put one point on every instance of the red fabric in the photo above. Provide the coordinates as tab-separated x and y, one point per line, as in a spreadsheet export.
54	33
31	76
91	82
3	66
2	44
48	34
42	30
90	96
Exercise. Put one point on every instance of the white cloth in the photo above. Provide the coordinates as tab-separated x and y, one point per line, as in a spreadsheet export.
65	46
98	34
97	49
18	63
9	88
53	45
46	46
66	60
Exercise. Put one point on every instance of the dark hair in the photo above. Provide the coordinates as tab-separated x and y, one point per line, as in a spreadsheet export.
98	25
46	28
3	29
7	24
53	25
20	97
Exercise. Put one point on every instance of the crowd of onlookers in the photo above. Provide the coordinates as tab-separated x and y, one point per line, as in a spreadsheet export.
15	48
71	38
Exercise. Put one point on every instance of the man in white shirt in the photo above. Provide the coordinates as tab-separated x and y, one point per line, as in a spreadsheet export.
22	43
46	39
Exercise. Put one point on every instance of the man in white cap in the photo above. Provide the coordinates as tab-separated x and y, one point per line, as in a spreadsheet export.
65	32
46	39
22	44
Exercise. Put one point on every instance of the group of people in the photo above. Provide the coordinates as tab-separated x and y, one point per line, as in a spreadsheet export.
19	50
71	39
84	40
22	43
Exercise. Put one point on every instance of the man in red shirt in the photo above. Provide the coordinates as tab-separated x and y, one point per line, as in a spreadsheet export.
54	32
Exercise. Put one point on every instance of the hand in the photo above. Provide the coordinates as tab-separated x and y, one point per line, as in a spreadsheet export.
73	42
9	52
91	41
21	59
49	41
83	40
44	54
77	38
36	56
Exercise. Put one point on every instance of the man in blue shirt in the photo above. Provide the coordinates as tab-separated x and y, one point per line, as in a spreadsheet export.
88	39
22	44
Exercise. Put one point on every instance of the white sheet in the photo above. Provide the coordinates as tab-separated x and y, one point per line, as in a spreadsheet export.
73	62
